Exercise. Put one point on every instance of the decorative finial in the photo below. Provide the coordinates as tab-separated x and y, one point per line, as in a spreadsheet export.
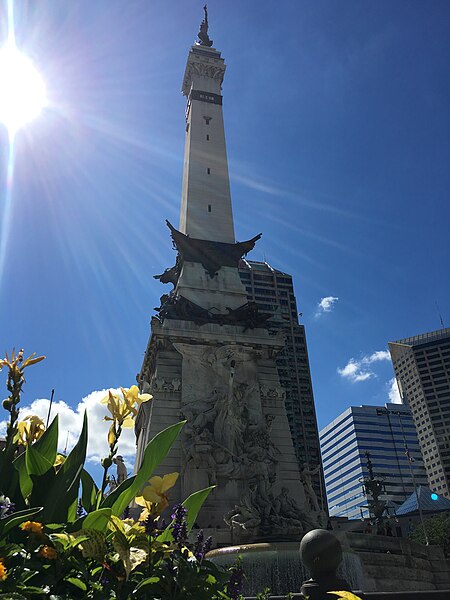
203	33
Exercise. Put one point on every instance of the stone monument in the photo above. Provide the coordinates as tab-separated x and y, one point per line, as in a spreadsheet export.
211	358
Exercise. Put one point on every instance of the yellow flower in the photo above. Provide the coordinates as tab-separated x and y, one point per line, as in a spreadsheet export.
132	395
48	552
3	572
30	430
59	460
124	409
14	362
154	493
32	527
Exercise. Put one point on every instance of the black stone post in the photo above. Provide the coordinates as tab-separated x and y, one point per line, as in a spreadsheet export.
321	552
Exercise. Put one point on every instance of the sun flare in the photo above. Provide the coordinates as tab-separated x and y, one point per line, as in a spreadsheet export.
22	89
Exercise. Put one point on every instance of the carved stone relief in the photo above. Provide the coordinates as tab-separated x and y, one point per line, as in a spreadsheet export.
276	392
227	437
161	385
204	70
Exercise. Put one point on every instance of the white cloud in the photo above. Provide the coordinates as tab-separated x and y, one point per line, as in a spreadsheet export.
360	370
377	356
71	421
326	305
394	394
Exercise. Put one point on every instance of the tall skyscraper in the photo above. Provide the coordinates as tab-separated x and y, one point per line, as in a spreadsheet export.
389	435
422	369
211	355
273	292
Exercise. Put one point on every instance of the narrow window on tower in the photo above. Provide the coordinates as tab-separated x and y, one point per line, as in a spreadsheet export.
209	207
208	170
207	137
207	120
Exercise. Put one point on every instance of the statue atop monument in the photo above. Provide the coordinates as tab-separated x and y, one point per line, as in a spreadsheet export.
203	33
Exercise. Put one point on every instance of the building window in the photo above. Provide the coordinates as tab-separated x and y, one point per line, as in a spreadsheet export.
207	120
209	207
207	137
208	170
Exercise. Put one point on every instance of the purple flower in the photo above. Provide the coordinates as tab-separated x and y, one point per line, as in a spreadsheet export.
200	537
178	526
202	546
234	589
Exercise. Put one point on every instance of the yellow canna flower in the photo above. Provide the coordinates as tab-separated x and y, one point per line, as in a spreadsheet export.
14	362
48	552
32	527
29	430
59	460
154	493
3	572
124	409
132	396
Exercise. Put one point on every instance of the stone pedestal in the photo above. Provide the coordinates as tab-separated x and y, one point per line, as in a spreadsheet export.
223	380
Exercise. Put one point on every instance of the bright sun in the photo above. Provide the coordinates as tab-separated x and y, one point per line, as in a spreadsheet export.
22	89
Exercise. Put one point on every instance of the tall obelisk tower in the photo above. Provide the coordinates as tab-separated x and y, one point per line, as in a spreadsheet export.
210	358
206	211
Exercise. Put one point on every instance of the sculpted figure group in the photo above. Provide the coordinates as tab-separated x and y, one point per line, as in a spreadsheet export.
225	440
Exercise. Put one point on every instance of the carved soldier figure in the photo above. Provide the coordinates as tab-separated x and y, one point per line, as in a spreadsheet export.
176	384
310	494
122	473
242	517
200	452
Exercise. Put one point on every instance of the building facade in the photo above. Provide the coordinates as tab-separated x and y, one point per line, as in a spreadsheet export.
422	369
273	292
389	435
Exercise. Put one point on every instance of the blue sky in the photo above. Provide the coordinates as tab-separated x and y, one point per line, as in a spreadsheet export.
337	123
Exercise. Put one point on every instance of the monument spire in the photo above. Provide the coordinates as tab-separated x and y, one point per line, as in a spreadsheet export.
206	211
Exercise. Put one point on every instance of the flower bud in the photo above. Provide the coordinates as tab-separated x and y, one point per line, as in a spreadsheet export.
106	462
7	404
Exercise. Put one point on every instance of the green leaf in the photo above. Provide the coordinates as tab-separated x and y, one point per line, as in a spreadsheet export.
115	494
47	445
62	495
16	519
146	583
89	491
98	519
32	590
93	545
155	452
35	463
193	504
12	596
77	583
25	483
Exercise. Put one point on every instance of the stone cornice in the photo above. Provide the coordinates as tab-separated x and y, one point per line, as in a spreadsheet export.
201	65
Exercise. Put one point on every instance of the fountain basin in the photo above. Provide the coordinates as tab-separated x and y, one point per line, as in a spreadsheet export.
279	567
